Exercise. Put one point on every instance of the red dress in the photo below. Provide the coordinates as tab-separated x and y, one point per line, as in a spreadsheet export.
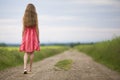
30	41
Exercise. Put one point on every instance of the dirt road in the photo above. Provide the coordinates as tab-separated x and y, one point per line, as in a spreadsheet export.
83	68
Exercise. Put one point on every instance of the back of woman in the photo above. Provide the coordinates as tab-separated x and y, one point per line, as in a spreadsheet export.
30	35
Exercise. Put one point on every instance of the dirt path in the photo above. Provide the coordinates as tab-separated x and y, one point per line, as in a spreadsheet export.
83	68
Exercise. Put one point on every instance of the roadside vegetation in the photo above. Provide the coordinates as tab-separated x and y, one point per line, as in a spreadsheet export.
106	52
11	57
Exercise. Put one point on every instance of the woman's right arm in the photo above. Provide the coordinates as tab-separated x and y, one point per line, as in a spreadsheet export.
23	29
37	29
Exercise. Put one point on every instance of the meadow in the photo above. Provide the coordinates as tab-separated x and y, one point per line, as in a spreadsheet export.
11	57
105	52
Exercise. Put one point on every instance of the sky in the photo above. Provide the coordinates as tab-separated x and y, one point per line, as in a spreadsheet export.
62	20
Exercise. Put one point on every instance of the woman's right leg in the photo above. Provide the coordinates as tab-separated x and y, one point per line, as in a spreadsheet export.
31	60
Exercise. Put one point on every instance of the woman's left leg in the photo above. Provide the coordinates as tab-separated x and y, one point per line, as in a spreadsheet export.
25	62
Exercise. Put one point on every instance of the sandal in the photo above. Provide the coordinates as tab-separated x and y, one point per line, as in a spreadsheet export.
25	71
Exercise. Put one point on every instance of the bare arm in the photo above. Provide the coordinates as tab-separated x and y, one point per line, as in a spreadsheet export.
23	29
37	29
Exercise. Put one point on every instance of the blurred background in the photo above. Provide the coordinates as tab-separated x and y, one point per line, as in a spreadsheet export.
62	21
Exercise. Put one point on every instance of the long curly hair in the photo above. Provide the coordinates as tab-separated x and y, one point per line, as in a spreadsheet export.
30	16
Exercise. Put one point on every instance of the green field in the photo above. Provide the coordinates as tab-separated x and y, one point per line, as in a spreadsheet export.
106	52
11	57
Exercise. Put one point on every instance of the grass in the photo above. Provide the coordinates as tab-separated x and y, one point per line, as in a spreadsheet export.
48	51
11	57
106	52
64	64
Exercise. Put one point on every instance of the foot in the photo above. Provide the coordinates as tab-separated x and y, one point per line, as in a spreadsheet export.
30	68
29	72
25	71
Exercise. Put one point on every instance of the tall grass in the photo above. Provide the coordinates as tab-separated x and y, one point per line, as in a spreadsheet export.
106	52
10	56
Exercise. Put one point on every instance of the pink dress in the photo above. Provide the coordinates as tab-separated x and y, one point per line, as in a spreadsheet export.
30	41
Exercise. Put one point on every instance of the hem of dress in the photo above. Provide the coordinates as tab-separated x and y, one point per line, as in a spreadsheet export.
29	51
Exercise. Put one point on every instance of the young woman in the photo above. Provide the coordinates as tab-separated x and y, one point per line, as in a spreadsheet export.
30	35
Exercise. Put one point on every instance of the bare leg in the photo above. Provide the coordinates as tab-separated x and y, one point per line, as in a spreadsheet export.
31	60
25	60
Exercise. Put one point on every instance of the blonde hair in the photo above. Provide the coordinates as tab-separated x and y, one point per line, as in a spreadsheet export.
30	16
